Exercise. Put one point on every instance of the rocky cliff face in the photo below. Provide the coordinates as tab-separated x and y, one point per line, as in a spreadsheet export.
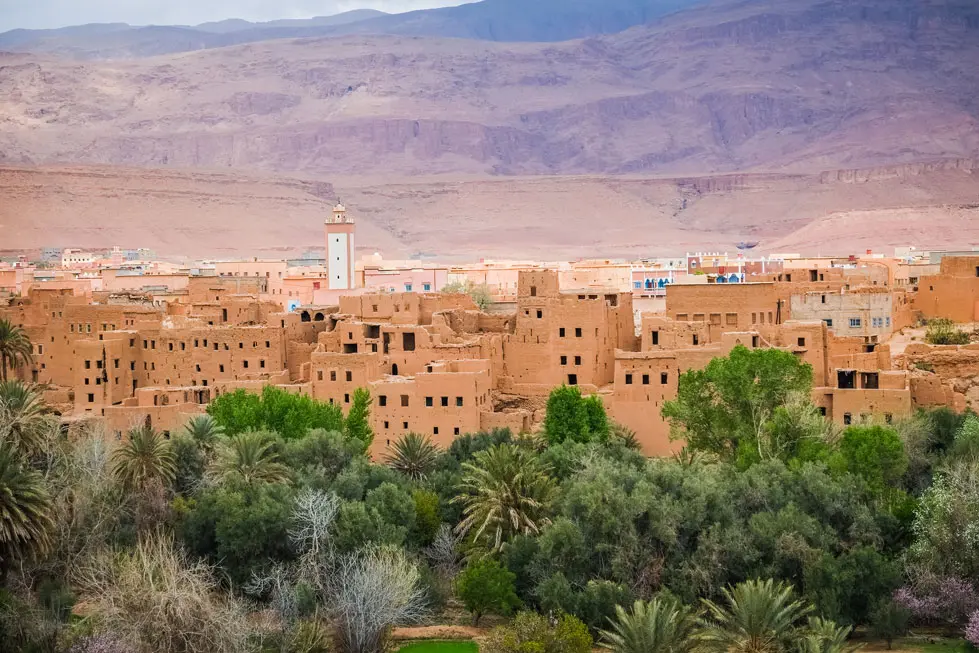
800	86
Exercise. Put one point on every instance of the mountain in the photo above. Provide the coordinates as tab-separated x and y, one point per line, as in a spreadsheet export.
491	20
798	85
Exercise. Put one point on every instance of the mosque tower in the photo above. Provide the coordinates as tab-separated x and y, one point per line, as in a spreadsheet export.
340	249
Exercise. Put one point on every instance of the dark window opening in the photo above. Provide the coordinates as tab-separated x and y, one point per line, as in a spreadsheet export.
349	376
696	339
540	314
533	291
822	411
577	360
664	378
373	331
655	337
408	341
445	401
645	379
802	342
382	401
458	401
404	401
847	418
755	340
394	369
846	379
870	380
429	401
628	379
564	360
560	332
350	347
577	332
813	275
572	379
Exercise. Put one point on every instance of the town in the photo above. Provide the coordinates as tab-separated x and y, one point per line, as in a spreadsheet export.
446	350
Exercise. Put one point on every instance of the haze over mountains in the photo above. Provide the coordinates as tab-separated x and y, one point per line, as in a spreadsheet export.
731	86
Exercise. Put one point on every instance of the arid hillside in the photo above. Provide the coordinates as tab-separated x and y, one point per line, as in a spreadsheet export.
181	213
755	85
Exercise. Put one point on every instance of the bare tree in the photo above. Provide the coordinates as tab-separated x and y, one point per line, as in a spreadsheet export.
443	554
372	591
157	601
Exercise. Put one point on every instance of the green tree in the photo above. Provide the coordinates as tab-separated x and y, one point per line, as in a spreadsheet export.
727	407
756	616
570	417
504	491
873	453
966	444
946	524
659	626
15	347
414	455
889	620
23	416
479	293
428	516
250	458
143	459
243	529
824	636
25	510
290	415
486	587
358	425
205	431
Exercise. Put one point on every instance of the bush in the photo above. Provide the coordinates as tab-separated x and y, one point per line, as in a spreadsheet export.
889	620
485	587
942	331
530	632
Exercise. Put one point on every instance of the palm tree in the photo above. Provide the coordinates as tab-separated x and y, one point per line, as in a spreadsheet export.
414	456
22	415
250	458
15	347
505	491
25	509
825	636
145	457
204	430
759	617
660	626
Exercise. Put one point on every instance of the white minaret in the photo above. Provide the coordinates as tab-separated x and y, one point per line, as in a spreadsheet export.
340	249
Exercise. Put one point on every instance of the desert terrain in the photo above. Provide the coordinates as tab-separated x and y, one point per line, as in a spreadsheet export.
804	124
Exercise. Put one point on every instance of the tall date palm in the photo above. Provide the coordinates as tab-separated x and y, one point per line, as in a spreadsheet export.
25	509
414	455
15	347
145	458
757	616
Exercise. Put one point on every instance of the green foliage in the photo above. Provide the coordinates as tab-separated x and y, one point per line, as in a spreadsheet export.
485	587
190	464
848	587
479	293
15	347
660	626
289	415
824	636
966	445
25	510
889	620
531	633
250	458
873	453
728	407
946	525
505	491
594	603
414	455
23	419
439	647
144	459
428	516
242	529
942	331
357	425
570	417
757	616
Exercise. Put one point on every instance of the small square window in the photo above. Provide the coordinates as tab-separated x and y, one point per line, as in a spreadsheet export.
645	379
577	332
346	398
445	401
664	378
577	360
560	332
628	379
564	360
349	376
455	431
540	314
458	401
382	400
405	424
333	375
404	401
435	431
429	401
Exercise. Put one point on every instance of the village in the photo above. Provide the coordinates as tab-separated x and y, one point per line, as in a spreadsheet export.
450	350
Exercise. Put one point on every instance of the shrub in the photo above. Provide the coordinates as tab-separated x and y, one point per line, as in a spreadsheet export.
530	632
889	620
942	331
485	587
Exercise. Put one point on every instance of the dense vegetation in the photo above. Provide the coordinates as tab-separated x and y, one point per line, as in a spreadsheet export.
264	526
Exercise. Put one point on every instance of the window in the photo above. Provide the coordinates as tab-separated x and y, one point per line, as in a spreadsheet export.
445	401
645	379
405	424
407	287
333	375
429	401
245	364
560	332
655	336
681	317
755	340
628	379
828	321
846	379
572	379
91	398
169	346
823	297
855	322
346	398
577	360
221	369
349	376
533	291
847	419
261	363
455	431
564	360
88	365
382	400
459	401
870	380
577	332
888	418
435	430
426	287
887	321
404	401
132	365
696	339
408	341
387	425
664	378
540	314
802	342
